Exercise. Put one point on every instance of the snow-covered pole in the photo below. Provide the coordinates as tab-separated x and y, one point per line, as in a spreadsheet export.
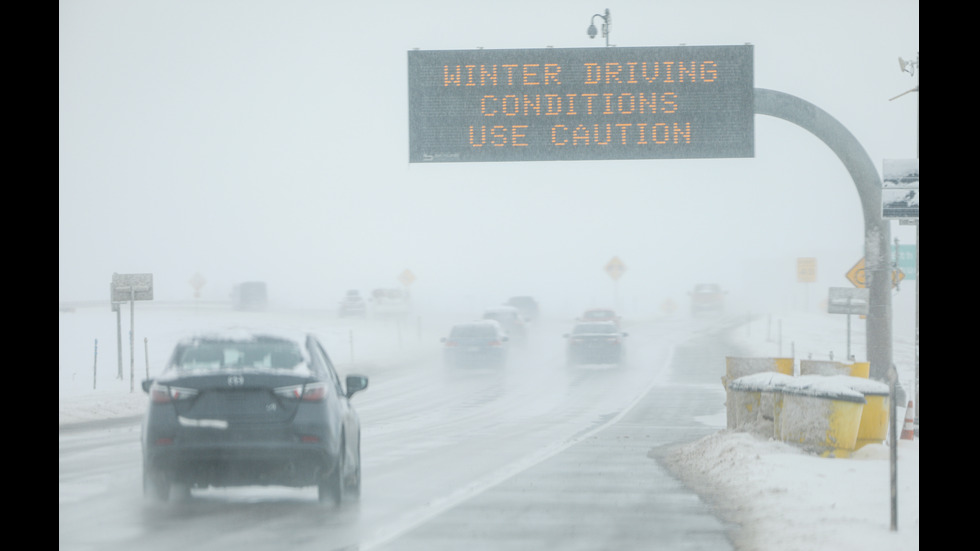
893	445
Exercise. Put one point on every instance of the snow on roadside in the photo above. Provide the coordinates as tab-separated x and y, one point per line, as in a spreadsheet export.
780	497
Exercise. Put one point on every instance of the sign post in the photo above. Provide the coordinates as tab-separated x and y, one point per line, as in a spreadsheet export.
131	287
844	300
615	268
806	272
900	199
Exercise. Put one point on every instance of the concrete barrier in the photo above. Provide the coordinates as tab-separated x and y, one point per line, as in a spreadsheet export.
827	367
831	414
736	368
755	398
821	414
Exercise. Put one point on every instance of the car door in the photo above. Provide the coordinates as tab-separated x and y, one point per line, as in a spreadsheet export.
347	414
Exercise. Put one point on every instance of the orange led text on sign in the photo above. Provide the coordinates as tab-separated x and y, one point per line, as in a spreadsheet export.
586	104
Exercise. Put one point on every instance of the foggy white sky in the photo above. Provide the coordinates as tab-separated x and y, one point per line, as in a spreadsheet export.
250	140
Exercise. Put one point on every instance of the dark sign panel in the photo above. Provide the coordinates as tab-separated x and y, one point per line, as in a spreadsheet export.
900	189
551	104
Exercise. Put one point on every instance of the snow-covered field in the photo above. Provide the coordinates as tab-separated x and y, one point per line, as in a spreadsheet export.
786	499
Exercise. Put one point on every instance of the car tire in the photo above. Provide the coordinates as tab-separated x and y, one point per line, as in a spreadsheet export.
156	485
331	487
353	490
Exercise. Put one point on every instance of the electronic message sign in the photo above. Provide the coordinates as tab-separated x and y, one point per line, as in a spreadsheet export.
552	104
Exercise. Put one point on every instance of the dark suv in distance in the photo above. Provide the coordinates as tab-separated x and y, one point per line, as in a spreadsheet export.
244	409
707	298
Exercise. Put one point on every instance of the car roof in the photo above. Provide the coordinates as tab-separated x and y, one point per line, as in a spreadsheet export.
501	309
245	334
596	324
495	323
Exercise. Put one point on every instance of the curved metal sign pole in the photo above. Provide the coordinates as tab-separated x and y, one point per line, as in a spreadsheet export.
876	230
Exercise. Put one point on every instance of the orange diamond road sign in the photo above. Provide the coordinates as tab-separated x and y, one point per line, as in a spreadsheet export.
806	270
856	275
406	278
615	268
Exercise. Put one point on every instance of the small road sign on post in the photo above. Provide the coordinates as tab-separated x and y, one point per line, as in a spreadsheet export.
197	281
806	270
844	300
615	268
131	287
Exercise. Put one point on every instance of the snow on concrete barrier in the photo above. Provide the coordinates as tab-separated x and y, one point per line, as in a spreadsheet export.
832	415
739	367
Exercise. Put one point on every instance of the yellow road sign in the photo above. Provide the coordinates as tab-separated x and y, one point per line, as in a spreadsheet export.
856	275
406	278
806	270
615	268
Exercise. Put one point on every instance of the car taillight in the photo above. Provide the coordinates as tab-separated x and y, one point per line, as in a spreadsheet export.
310	392
496	343
314	392
450	343
160	394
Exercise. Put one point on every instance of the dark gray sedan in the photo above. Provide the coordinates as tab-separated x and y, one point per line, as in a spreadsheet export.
480	343
247	409
595	343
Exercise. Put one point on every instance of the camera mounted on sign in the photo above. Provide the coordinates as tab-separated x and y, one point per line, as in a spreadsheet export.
605	26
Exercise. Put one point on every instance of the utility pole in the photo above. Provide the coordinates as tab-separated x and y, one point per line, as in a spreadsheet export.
912	67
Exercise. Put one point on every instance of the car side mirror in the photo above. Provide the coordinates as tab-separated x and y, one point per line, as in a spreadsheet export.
626	334
565	336
356	383
443	339
146	384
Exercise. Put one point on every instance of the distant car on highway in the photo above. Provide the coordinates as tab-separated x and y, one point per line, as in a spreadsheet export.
250	295
594	342
511	320
352	305
527	306
243	409
600	314
707	298
476	343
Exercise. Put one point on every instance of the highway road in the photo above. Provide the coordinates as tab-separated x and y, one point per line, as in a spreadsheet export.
531	456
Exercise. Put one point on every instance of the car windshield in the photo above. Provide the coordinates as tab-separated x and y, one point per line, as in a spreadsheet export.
598	314
215	355
473	332
594	328
706	289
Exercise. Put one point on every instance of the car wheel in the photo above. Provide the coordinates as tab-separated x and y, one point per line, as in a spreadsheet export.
331	487
156	485
354	486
